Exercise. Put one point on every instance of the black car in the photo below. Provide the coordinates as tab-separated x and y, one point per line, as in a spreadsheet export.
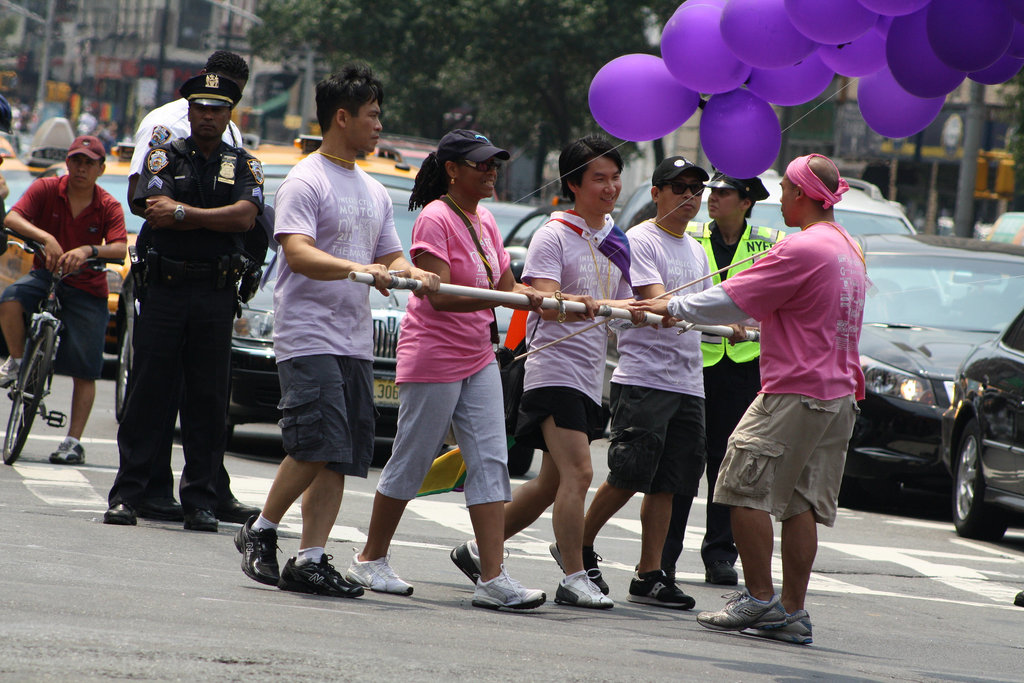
931	300
983	437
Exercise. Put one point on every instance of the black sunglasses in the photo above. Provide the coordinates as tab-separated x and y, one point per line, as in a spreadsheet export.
483	166
682	188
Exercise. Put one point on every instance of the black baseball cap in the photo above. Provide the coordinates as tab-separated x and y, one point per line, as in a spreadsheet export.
749	188
671	167
469	145
212	90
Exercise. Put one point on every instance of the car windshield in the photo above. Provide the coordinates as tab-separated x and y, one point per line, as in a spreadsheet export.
951	293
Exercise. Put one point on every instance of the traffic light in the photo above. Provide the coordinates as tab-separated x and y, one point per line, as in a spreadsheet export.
1003	185
1005	178
981	176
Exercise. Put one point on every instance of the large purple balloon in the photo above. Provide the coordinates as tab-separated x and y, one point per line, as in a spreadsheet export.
1005	68
740	133
832	22
1016	8
791	85
969	36
894	8
694	52
760	33
863	56
890	110
634	97
912	61
1016	48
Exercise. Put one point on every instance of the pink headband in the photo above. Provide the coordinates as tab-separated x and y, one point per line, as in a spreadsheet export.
799	173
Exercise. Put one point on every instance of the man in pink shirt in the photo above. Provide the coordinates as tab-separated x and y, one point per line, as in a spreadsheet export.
786	456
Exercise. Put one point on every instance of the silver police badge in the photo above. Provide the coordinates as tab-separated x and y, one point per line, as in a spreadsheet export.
156	161
256	168
161	134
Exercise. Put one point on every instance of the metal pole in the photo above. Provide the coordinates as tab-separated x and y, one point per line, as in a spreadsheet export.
308	96
964	218
162	56
44	68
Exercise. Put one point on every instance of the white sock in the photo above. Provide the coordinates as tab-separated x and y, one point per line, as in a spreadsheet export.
262	523
570	577
309	555
71	441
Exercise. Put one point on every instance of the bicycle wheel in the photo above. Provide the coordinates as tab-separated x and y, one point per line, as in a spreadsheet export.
28	392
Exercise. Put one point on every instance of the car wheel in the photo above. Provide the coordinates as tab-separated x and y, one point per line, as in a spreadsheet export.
519	460
124	363
971	516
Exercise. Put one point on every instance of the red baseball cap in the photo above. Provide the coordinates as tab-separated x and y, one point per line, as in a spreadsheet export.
90	146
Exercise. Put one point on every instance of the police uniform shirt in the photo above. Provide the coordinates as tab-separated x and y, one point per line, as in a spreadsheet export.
167	123
230	174
724	253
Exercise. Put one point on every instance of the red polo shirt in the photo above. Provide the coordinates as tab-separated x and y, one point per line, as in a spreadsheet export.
45	205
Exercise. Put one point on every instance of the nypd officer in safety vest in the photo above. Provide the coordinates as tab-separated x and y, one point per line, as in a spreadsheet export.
198	194
731	374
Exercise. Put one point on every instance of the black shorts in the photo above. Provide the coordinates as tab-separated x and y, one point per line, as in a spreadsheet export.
571	408
657	443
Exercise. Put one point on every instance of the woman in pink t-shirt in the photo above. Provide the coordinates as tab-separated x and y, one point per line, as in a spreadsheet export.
448	373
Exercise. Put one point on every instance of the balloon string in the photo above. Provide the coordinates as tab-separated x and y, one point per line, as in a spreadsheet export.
849	82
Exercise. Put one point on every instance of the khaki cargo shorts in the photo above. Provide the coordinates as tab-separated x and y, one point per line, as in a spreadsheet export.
786	456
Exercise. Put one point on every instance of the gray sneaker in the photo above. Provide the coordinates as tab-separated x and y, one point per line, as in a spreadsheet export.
9	371
742	612
578	590
68	454
797	629
504	592
467	558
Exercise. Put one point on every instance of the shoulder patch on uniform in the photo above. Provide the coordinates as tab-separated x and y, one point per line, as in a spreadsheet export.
161	134
156	161
256	168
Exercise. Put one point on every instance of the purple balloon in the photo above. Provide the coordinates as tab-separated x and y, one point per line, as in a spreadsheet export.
634	97
883	24
740	133
832	22
912	61
791	85
863	56
890	110
695	53
1005	68
1016	8
969	40
714	3
760	33
1016	48
894	8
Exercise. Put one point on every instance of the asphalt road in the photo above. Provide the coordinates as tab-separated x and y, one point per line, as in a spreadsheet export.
895	595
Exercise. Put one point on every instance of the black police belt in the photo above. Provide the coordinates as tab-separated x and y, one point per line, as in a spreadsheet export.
219	273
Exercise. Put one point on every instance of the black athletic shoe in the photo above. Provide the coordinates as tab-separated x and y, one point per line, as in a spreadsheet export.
318	578
590	560
467	558
259	553
655	588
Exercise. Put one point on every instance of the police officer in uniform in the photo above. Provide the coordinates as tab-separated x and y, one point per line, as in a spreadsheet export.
199	194
732	376
158	127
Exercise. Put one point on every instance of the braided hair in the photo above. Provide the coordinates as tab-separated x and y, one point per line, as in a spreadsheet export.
431	182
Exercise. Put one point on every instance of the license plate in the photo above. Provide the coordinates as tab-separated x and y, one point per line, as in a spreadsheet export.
385	392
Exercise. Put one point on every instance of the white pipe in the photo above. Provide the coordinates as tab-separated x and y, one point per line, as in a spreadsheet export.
511	298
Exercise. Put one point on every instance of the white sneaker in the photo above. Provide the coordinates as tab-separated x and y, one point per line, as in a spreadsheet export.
580	591
377	575
505	592
9	371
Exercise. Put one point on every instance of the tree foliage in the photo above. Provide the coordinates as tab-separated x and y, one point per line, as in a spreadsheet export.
521	68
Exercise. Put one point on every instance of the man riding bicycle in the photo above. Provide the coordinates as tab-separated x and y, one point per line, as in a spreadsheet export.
74	219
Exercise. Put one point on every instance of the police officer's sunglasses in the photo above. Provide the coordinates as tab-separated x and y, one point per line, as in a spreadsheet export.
483	166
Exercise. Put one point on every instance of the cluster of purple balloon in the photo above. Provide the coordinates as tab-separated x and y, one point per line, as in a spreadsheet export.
750	54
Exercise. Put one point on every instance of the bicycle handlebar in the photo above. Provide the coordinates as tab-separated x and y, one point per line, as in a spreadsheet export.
32	246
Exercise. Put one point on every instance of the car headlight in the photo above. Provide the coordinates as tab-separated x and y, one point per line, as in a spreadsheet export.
114	281
886	380
254	325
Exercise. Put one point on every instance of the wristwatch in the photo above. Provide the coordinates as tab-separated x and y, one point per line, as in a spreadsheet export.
179	213
95	251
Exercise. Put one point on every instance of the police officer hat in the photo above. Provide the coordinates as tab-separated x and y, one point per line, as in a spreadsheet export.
213	90
672	167
749	188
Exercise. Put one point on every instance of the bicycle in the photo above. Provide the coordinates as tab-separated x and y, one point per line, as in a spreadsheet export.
36	372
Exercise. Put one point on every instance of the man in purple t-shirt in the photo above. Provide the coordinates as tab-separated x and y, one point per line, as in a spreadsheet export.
786	455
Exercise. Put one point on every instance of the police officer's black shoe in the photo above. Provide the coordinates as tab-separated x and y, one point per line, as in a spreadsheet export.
121	514
200	520
235	511
165	509
721	573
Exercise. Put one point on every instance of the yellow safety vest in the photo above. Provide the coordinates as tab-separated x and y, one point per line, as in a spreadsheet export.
753	241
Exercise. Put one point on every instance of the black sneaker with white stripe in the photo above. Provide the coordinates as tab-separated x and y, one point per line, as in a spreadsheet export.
655	588
317	578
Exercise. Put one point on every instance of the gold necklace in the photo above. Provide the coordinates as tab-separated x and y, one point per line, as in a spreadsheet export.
607	289
480	227
674	234
331	156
